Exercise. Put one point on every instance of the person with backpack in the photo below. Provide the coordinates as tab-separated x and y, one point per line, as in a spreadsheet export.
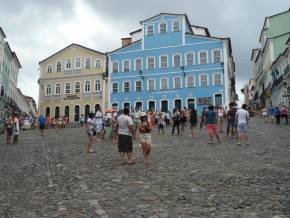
145	137
277	114
176	121
231	120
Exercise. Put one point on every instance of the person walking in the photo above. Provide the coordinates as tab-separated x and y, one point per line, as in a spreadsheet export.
221	115
16	128
284	114
242	117
277	114
193	122
231	120
211	124
90	132
99	124
183	120
176	121
41	123
125	132
161	122
9	129
145	137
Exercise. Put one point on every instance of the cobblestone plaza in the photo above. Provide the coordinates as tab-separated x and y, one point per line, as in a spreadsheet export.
53	176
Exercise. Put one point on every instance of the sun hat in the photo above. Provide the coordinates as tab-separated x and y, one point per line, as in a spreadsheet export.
143	114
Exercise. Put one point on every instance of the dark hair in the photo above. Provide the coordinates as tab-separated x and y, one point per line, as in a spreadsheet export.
91	115
244	106
210	107
192	112
126	111
231	104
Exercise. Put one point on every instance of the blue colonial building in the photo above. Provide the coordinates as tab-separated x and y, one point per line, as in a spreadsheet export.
169	63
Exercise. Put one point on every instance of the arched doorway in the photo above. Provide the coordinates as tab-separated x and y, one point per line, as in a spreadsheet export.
151	105
47	111
66	111
138	105
127	105
87	111
191	103
77	113
97	107
56	113
177	104
218	99
164	105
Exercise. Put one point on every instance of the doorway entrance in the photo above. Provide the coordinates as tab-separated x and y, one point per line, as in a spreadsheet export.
177	104
164	106
191	103
77	113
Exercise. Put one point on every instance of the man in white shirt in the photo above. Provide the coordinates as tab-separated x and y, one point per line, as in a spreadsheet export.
242	117
126	132
99	124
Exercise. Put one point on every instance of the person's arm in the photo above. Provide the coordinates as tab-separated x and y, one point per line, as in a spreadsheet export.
132	130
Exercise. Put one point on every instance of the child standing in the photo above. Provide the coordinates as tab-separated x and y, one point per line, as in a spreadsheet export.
145	137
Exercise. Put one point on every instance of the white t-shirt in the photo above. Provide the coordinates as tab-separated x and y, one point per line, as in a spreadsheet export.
99	118
242	115
124	122
91	123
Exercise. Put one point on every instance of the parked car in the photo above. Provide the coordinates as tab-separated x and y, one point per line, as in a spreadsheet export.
26	124
2	127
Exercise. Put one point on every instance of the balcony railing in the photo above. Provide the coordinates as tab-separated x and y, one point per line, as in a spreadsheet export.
277	81
93	95
72	72
287	70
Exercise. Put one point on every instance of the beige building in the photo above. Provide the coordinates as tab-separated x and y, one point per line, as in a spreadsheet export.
73	82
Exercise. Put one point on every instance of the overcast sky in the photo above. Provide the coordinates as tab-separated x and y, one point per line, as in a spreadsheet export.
35	29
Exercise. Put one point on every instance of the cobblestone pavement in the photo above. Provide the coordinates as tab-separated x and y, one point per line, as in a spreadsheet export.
52	176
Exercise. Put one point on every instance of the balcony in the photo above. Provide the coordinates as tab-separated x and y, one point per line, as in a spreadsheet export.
93	95
286	70
277	81
52	97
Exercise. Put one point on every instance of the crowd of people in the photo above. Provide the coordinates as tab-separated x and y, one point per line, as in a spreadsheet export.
276	114
125	126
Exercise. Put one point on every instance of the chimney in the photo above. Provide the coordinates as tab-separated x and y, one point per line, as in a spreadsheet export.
126	41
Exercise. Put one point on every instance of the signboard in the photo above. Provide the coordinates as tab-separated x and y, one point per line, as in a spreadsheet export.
204	101
71	97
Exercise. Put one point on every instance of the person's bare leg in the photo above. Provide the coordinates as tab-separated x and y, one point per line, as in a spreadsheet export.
130	161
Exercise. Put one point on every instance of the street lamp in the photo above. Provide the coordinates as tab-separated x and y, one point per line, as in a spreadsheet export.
182	68
141	74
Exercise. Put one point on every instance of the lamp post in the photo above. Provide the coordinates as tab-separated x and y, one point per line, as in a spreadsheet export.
141	74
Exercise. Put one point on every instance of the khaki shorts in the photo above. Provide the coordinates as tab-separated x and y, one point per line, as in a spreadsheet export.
145	137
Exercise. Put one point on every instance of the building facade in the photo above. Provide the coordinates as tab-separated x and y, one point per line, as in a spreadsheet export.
72	82
11	98
281	77
32	106
169	63
273	37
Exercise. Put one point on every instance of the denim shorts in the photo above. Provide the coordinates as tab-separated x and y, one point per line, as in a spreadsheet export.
242	127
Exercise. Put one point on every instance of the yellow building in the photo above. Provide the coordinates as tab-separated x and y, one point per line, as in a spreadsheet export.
73	82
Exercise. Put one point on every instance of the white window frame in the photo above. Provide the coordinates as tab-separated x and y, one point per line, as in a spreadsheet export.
76	67
135	69
180	55
45	93
98	60
213	79
212	55
152	29
141	86
206	56
166	61
173	80
85	86
113	66
59	89
193	58
123	86
66	62
85	61
49	67
100	86
154	80
172	27
123	65
203	74
115	103
118	88
167	79
147	63
159	27
60	66
70	87
193	81
76	86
